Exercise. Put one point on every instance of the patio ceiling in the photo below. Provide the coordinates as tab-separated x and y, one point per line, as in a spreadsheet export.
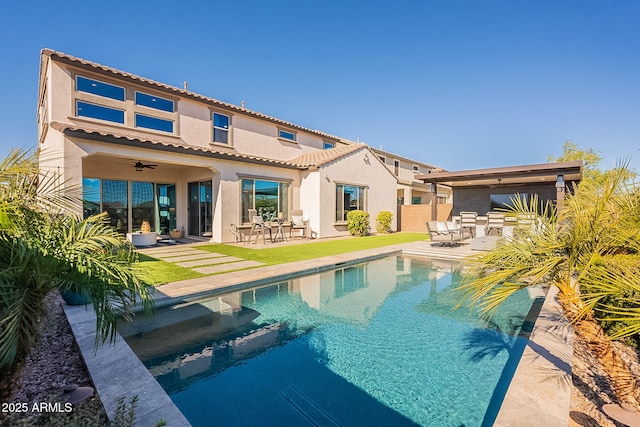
512	175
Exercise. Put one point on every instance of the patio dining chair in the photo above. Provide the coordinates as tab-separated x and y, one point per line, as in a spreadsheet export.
258	226
495	221
298	223
468	221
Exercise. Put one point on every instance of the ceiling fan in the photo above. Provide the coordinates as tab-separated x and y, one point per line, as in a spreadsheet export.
140	166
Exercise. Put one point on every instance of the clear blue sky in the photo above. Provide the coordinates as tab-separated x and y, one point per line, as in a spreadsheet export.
458	84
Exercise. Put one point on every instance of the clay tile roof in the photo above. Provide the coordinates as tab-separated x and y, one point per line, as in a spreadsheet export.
69	59
109	136
321	157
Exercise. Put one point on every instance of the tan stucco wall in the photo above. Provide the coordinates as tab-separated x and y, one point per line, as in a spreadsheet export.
355	170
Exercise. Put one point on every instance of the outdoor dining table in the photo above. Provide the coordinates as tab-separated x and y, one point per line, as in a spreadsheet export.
280	231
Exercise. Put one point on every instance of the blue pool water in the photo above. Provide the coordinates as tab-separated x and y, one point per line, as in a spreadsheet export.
371	344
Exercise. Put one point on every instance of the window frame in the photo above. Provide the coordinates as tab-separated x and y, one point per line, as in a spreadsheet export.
294	135
283	199
328	145
362	205
106	107
124	89
129	105
135	101
229	130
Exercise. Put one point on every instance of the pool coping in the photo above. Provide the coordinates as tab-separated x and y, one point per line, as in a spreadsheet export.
539	393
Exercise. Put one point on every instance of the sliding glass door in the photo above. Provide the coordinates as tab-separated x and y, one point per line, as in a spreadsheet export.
200	209
130	203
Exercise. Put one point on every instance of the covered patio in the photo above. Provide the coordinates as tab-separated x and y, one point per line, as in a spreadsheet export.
484	190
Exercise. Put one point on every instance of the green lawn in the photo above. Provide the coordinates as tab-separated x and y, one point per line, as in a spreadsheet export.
165	272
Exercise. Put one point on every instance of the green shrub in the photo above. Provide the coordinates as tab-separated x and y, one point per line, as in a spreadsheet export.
358	223
383	221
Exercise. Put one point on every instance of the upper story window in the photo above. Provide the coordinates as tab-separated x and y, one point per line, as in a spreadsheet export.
416	169
328	145
221	125
382	159
84	84
95	111
396	167
155	123
97	99
156	102
283	134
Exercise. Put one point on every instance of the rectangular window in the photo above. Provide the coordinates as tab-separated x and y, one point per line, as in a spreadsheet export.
143	121
115	201
416	169
416	200
382	159
99	88
329	145
221	128
85	109
286	135
349	198
156	102
142	205
396	167
90	197
268	198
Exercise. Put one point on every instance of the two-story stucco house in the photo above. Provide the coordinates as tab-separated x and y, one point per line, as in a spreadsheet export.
146	151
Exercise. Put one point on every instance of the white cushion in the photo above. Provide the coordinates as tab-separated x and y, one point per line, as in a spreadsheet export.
441	227
452	226
297	220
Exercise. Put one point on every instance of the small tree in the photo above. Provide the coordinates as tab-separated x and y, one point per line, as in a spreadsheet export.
358	223
383	221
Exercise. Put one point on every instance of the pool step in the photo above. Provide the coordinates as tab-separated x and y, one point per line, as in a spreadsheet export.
309	409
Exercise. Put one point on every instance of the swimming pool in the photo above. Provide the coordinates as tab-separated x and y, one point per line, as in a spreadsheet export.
368	344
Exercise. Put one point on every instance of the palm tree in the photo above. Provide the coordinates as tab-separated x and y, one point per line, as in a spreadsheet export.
591	252
44	248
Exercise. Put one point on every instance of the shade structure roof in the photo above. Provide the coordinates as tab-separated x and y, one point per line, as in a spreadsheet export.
511	175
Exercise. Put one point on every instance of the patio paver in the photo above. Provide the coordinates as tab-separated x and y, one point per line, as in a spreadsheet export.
211	261
202	255
227	266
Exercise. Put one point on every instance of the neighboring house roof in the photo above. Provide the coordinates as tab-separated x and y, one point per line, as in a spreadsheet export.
135	140
318	158
380	151
92	66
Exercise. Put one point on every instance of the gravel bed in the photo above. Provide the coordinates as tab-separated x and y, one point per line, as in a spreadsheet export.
54	363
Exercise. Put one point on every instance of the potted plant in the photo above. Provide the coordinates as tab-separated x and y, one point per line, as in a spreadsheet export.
175	233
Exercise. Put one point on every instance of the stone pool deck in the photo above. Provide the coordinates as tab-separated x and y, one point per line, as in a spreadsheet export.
538	395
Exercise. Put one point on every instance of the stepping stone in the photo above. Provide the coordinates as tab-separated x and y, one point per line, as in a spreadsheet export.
191	257
174	253
209	261
227	267
177	254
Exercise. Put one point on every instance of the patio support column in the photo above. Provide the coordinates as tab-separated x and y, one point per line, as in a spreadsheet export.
433	189
560	193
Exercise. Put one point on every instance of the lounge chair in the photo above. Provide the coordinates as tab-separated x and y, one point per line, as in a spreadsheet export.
298	223
445	233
